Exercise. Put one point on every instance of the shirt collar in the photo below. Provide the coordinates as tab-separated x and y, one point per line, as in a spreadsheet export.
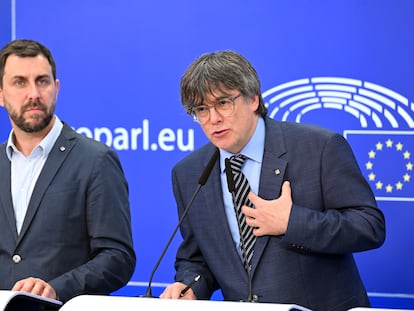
254	148
46	144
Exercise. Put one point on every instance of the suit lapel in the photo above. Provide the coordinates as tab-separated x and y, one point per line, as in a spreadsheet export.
271	176
6	203
56	157
213	197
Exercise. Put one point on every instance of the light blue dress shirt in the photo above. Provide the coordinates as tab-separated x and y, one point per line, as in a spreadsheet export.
251	169
26	170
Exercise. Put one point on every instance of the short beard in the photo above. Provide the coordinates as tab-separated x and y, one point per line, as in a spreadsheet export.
27	126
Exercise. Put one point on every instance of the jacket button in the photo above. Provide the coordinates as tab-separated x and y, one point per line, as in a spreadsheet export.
17	258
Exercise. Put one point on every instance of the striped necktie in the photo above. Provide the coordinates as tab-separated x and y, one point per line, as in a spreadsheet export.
242	189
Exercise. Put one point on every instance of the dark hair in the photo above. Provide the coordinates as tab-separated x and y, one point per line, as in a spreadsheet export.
218	70
25	48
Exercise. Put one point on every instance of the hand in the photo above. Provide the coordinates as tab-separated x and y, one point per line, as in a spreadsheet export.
173	291
269	217
35	286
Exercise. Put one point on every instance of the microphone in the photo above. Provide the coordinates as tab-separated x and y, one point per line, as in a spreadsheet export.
201	182
229	174
232	189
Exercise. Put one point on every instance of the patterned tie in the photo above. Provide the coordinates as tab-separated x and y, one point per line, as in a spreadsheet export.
242	189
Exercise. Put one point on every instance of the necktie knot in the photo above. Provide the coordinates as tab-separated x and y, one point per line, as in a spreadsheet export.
236	163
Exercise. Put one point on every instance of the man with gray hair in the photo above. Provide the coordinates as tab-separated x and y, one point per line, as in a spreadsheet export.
306	206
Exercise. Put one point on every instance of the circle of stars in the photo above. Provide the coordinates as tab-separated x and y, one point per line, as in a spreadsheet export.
405	178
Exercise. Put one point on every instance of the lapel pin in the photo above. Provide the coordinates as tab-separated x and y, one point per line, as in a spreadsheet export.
277	171
62	148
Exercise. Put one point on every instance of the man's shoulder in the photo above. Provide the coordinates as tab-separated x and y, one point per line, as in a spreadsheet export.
70	134
197	157
306	129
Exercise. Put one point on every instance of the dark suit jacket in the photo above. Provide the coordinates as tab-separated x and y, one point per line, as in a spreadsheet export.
334	214
77	232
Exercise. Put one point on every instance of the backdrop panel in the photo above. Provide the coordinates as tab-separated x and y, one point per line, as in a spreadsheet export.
346	65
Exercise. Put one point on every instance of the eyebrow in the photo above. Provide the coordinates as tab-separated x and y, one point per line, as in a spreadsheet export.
42	76
218	98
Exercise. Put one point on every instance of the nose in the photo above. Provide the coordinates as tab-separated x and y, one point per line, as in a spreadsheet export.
33	92
214	115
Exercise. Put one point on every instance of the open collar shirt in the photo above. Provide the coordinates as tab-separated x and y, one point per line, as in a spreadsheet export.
26	170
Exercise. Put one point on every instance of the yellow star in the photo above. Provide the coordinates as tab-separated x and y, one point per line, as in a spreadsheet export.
399	186
406	177
371	177
399	146
369	165
371	154
406	155
388	188
379	145
409	166
389	143
378	185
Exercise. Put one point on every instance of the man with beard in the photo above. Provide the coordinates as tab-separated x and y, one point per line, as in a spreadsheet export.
65	222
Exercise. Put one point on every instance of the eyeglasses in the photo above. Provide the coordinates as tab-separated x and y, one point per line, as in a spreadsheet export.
224	107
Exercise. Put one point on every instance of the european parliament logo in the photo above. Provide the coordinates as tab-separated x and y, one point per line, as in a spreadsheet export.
387	161
383	145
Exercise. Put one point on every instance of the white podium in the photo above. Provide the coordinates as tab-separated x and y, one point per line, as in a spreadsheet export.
20	301
103	303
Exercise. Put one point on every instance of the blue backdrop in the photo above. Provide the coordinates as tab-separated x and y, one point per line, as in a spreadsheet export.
346	65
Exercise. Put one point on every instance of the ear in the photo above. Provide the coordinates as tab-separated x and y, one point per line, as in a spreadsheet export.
255	102
1	98
57	84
